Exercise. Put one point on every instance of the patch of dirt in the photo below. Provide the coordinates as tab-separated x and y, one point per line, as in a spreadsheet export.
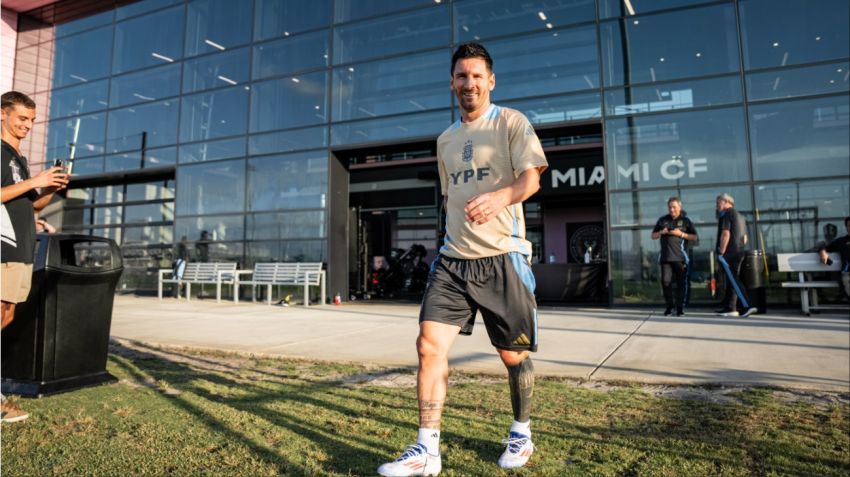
721	395
817	399
150	384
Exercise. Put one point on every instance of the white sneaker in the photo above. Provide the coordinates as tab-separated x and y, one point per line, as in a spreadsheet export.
728	313
519	450
415	460
750	311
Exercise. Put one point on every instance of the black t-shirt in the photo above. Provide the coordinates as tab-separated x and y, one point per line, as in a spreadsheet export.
735	223
842	246
673	248
18	226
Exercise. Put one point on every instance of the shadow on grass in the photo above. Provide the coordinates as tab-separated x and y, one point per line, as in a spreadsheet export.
295	403
577	431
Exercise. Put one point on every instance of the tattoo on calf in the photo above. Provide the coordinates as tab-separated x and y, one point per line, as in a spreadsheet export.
521	380
430	413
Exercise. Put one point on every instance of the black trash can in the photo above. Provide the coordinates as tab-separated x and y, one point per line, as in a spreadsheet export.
59	339
752	276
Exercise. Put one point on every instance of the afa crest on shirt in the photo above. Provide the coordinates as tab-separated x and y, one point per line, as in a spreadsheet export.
467	151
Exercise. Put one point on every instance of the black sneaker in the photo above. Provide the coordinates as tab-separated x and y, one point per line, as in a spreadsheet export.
668	311
680	312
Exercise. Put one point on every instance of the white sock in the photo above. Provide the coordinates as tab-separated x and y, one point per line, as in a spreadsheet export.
430	438
523	428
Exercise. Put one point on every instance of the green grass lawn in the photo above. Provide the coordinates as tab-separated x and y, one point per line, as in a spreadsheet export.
178	412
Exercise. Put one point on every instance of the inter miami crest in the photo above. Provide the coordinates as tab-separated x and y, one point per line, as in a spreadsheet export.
467	151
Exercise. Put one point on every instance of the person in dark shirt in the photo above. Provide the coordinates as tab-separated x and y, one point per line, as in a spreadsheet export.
842	246
674	230
21	199
732	242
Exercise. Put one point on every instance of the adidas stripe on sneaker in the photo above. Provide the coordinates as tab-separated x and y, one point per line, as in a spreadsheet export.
519	449
415	460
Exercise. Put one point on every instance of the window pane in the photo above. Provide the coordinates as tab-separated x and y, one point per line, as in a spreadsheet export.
481	19
212	151
216	114
643	208
557	109
216	25
546	63
681	95
216	70
286	225
160	157
88	166
148	235
109	194
296	181
790	32
136	46
801	138
705	44
82	58
677	149
158	120
634	262
804	200
151	191
124	161
286	251
163	212
210	228
211	188
618	8
88	131
85	23
288	141
81	99
284	17
302	97
428	28
347	10
138	8
411	83
290	55
107	216
149	85
411	126
790	82
132	160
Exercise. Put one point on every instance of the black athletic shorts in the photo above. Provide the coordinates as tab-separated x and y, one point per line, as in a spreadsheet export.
501	287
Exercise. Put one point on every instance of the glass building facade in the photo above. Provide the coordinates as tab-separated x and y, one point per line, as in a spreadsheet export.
224	121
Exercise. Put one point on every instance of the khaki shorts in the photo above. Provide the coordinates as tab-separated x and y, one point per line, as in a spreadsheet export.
16	280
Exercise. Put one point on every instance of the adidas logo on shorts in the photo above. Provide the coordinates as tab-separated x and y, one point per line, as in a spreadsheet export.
521	340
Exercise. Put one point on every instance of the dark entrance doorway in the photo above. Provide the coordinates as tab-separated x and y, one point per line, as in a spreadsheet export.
393	223
566	219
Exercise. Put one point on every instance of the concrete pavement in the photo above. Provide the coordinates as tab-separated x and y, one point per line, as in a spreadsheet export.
632	345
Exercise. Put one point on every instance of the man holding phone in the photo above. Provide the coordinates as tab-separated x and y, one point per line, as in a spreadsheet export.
674	230
22	196
842	246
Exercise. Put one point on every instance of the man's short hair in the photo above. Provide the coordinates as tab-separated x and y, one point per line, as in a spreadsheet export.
726	197
674	199
12	98
471	50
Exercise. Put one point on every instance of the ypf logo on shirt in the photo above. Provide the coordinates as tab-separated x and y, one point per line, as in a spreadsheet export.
467	151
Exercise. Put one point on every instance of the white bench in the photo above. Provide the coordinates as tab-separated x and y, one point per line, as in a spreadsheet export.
271	274
803	264
202	273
